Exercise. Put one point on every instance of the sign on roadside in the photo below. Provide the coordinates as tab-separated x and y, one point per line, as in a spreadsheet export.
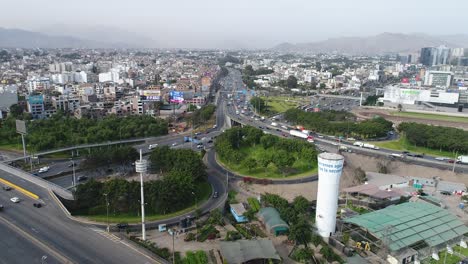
21	127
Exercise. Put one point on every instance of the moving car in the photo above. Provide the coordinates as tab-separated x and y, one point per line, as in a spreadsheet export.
122	225
44	169
215	195
15	199
7	188
82	178
152	146
174	144
1	207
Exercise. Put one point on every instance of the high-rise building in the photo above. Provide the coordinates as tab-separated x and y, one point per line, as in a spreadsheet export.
330	168
431	56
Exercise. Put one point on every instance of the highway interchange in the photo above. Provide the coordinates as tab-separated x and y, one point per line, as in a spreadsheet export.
31	233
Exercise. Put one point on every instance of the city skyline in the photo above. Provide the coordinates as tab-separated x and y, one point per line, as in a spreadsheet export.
243	24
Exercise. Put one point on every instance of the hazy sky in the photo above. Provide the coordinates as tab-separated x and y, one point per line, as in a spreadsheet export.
248	23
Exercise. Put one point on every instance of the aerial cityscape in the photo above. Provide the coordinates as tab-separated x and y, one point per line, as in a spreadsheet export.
226	133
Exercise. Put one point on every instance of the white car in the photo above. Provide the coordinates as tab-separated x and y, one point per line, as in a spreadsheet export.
174	144
152	146
15	199
441	158
44	169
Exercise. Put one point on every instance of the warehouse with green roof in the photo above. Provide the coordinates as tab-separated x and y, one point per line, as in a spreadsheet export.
270	217
408	231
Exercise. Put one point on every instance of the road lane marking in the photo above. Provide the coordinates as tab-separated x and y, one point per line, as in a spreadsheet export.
106	234
24	191
35	241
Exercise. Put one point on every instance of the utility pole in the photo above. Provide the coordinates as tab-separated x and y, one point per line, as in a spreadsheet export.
140	167
107	213
173	248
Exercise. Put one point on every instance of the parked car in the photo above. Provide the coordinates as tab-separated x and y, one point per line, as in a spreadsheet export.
15	199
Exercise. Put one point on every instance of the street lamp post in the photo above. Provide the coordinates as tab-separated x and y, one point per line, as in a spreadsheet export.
141	167
74	175
107	212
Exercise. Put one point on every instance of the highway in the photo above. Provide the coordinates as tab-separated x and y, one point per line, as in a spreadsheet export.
64	239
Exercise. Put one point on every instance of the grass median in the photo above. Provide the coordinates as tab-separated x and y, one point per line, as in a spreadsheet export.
203	193
402	144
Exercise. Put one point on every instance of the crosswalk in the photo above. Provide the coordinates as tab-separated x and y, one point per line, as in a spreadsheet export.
107	235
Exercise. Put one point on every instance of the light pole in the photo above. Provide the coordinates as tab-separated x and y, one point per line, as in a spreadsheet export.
455	161
140	167
74	175
107	212
173	247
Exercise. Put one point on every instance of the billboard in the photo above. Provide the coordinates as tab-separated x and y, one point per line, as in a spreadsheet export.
150	95
36	99
176	97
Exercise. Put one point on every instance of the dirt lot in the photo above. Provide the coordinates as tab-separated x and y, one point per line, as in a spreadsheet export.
309	190
369	113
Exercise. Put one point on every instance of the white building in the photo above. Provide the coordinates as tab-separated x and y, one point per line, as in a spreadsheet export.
38	83
438	78
111	76
407	95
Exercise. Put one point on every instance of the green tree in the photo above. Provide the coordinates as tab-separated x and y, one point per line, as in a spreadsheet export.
258	104
291	81
301	231
323	86
16	111
250	164
300	204
282	160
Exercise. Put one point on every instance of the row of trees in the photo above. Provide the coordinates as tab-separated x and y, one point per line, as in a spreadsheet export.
339	123
61	130
203	114
282	153
182	170
258	104
435	137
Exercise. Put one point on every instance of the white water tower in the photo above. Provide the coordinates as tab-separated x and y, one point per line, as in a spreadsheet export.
330	167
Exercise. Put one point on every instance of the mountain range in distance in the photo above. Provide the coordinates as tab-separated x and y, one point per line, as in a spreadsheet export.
109	37
75	38
379	44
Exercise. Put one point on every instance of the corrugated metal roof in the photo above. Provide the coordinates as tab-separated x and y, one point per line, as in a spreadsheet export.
409	223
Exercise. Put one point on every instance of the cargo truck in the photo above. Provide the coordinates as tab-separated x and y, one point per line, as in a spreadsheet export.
462	159
299	134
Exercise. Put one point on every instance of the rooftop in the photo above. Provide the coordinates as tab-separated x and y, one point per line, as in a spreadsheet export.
242	251
409	223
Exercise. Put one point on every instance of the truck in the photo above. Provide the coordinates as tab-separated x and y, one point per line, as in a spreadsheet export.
462	159
358	143
307	132
370	146
299	134
190	139
274	124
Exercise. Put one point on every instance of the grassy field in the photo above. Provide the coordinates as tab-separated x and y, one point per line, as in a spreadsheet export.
12	147
280	104
431	116
300	168
203	193
402	144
